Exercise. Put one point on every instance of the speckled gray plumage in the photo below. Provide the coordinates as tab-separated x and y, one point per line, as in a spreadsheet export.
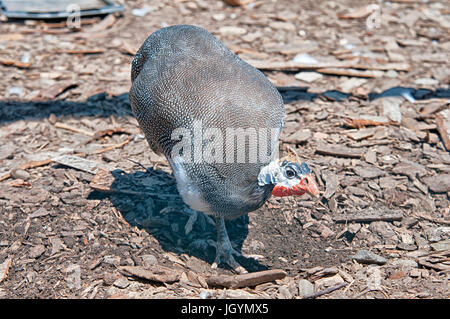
183	73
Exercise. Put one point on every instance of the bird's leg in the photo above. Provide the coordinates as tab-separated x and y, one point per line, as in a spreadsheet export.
224	250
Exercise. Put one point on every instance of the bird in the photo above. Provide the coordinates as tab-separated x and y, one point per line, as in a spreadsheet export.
203	107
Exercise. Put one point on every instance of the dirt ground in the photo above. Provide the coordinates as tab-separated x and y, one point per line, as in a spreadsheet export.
367	99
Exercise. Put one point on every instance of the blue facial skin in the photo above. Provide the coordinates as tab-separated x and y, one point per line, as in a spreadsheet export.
300	169
305	169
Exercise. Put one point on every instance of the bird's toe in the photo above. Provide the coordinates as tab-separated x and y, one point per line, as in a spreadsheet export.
225	256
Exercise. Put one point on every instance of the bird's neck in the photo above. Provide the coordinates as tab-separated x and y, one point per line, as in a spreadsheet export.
268	174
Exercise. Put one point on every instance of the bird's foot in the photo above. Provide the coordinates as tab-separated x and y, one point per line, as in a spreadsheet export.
224	254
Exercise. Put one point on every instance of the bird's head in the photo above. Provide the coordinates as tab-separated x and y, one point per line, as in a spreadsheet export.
289	177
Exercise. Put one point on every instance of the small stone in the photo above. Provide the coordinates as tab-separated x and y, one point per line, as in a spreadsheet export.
206	294
368	257
7	151
304	58
149	260
391	74
403	263
26	57
36	251
232	31
15	90
278	25
20	174
141	12
321	115
250	37
121	283
308	77
112	260
426	82
219	16
349	85
328	282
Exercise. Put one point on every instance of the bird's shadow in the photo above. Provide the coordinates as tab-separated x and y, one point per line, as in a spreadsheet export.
157	213
157	208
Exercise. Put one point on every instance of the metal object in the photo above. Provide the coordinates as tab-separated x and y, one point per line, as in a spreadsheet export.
55	9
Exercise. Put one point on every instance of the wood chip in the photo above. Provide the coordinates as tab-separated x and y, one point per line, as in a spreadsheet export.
425	261
157	273
82	51
325	291
73	129
15	63
104	24
332	183
237	2
339	151
109	148
54	91
359	13
40	213
439	183
28	165
81	163
11	37
369	120
348	72
368	217
431	219
293	66
246	280
4	268
110	132
443	129
361	134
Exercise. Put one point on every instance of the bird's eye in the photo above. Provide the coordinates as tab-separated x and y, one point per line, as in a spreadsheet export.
290	173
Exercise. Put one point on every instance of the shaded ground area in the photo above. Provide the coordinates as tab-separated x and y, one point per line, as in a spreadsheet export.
367	108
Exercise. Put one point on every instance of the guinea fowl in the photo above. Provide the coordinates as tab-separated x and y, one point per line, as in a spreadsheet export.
188	89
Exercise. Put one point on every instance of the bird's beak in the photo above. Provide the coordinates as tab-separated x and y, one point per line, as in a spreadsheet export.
307	185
